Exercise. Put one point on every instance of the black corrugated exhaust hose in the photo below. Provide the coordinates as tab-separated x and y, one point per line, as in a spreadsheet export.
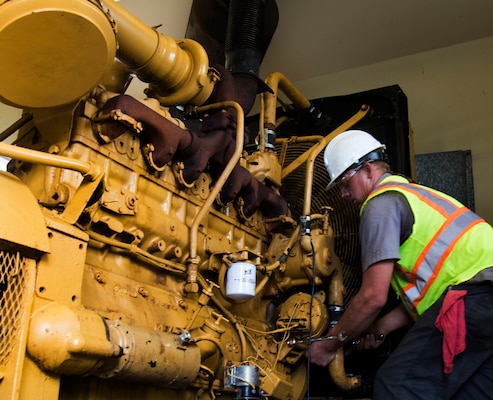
244	38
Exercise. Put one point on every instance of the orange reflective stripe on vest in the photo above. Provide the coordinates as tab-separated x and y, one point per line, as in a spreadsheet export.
430	262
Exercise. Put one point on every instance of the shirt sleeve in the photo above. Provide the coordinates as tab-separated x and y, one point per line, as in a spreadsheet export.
386	223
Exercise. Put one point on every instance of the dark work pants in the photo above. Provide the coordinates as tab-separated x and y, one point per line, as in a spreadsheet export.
415	369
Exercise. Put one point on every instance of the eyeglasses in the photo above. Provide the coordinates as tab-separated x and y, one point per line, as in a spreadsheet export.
343	183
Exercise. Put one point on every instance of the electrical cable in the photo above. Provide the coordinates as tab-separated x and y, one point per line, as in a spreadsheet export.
308	371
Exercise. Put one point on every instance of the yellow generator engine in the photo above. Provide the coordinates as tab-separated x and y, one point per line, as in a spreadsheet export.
145	251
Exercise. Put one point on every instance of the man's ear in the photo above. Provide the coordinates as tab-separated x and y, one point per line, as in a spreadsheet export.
371	170
368	168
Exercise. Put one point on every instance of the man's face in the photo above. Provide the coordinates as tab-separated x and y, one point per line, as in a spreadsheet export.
355	185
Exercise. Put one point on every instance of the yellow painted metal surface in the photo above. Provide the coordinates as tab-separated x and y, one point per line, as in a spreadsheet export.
22	220
120	262
47	45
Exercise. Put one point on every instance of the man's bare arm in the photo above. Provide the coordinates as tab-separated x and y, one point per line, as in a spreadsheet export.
361	312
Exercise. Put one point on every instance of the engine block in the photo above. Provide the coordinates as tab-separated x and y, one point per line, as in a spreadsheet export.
144	251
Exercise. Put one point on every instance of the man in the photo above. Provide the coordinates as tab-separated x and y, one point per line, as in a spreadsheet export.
438	256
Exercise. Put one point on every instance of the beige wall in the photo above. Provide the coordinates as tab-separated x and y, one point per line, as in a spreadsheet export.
450	100
8	115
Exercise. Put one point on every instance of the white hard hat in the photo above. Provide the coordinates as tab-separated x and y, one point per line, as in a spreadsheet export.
350	148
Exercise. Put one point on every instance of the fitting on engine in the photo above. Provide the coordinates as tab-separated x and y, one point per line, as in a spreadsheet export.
269	138
245	380
335	314
305	233
305	225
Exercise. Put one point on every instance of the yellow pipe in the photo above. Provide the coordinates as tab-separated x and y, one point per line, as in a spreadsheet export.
338	373
276	81
131	248
92	171
336	367
300	139
178	70
271	267
193	261
310	165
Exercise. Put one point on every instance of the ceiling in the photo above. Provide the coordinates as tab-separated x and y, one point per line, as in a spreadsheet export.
317	37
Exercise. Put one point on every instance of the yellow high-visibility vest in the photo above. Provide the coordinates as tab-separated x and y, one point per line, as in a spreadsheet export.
449	244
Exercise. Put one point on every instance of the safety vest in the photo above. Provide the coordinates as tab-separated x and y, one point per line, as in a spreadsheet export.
449	244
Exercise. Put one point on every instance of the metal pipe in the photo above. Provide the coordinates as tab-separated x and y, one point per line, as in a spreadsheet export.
92	171
338	373
336	367
133	249
235	158
178	70
301	159
276	81
271	267
310	165
300	139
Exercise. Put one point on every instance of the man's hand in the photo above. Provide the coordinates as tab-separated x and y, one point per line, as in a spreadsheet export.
361	312
370	341
321	353
376	333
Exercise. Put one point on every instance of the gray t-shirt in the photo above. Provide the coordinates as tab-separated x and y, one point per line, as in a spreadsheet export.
385	224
